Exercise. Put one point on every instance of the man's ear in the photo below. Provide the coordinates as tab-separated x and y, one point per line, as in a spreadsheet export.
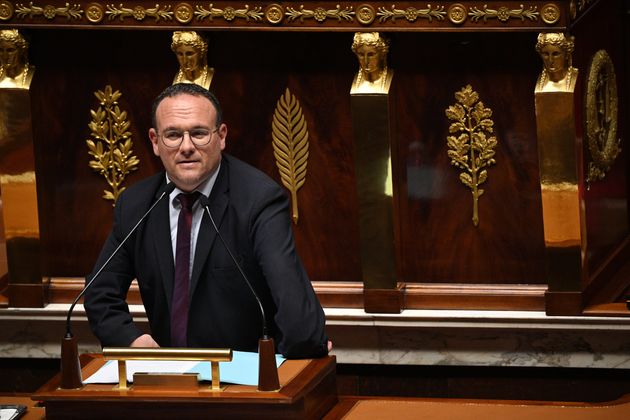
153	136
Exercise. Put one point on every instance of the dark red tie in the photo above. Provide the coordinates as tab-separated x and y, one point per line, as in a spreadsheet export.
179	304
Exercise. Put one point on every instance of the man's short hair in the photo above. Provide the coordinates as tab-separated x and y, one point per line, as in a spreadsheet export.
189	89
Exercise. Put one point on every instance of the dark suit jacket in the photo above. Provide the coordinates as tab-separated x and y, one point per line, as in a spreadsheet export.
251	211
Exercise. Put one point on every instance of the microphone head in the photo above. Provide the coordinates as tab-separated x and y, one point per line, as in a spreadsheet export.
203	200
166	190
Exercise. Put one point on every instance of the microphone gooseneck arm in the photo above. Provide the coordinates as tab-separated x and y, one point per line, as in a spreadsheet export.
203	200
166	190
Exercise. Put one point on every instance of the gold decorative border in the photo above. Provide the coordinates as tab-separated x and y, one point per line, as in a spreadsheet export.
411	13
366	14
139	13
229	13
319	13
49	12
503	13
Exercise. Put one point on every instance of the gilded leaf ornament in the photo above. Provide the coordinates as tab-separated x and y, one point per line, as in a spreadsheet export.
111	144
290	145
471	145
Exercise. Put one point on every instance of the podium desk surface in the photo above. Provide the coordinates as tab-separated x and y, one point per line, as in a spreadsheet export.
32	411
307	390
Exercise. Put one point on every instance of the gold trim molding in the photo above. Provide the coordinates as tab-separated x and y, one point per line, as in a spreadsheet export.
290	145
49	12
601	116
472	150
503	13
350	14
109	127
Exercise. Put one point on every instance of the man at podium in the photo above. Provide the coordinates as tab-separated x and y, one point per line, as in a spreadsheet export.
201	288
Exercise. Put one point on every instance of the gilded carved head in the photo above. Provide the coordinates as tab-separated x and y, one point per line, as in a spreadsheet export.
189	39
556	51
371	50
191	50
13	52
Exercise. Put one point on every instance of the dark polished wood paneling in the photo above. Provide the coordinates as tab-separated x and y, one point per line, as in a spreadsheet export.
606	202
318	72
439	242
251	75
436	241
70	67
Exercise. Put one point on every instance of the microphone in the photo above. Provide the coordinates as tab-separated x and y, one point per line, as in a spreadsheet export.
70	366
267	368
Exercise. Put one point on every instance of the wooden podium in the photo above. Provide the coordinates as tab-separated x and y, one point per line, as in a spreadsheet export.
307	391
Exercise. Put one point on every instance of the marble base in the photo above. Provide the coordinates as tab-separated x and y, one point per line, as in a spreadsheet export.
414	337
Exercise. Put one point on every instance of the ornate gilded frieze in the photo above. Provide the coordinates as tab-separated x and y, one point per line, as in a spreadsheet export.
601	116
290	145
503	13
352	14
111	146
68	11
471	143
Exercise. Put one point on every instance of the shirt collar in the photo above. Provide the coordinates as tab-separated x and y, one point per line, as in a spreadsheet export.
204	188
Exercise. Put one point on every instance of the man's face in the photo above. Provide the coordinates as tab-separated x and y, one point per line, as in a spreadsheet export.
554	61
188	165
188	57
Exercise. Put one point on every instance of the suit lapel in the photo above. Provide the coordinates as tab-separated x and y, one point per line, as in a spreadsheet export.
160	225
207	235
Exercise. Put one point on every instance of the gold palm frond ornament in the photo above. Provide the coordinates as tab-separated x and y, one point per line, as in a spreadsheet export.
111	147
471	147
290	145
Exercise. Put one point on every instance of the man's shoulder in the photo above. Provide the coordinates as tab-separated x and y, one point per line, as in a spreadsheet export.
143	190
240	171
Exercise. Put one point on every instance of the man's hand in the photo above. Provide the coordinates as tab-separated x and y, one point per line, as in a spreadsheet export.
329	346
145	340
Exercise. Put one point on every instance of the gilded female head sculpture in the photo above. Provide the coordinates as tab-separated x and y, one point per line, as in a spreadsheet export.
191	50
15	71
371	49
556	51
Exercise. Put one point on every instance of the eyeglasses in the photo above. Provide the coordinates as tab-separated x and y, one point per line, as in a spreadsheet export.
199	136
